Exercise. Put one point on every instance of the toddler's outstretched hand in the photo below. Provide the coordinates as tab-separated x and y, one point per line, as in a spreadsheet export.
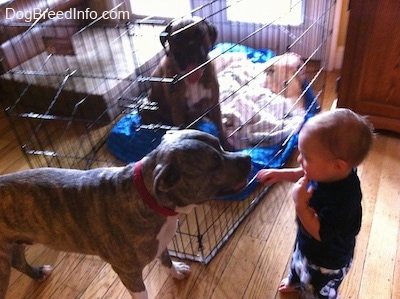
268	176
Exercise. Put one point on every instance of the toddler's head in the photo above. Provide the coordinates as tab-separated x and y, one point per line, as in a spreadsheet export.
343	133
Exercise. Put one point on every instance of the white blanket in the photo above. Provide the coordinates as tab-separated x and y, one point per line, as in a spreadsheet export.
252	110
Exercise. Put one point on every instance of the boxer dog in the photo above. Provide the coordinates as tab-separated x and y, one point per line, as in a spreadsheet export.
126	215
187	42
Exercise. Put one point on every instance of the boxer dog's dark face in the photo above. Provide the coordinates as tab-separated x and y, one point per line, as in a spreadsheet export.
190	40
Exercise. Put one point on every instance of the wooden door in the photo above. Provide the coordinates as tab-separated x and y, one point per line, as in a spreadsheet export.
370	79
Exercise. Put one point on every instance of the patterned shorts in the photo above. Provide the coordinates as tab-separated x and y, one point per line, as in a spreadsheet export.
314	281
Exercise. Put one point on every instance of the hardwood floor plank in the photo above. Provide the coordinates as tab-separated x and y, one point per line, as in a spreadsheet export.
264	216
84	273
100	284
382	245
244	259
211	274
63	269
271	267
156	279
369	173
118	291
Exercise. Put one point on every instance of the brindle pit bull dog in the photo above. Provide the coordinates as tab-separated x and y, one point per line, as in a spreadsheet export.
126	215
189	40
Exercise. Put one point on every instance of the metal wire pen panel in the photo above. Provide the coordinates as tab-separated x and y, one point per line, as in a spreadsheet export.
76	92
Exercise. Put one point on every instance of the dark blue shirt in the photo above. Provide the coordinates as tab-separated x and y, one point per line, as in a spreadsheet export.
338	206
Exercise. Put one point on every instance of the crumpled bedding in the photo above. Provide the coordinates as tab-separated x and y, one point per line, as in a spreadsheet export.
253	110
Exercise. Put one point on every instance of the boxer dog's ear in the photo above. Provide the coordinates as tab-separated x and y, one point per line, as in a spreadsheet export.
165	35
212	31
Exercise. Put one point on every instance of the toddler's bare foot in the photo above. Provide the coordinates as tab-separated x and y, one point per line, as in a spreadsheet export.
284	287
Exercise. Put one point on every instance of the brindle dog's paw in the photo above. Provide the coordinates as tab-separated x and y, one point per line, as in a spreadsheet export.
42	272
180	270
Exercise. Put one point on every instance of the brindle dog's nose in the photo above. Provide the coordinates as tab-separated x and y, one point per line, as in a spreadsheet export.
245	160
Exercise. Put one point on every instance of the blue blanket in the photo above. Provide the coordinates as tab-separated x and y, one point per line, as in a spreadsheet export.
130	142
255	55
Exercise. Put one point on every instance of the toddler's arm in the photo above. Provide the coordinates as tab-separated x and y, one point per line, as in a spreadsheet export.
301	196
271	176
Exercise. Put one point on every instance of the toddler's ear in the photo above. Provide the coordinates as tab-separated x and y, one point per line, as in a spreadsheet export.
341	165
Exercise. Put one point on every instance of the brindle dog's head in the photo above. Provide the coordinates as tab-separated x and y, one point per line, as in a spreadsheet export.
191	167
189	39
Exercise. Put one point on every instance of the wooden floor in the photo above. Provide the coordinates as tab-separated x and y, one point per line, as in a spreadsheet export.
255	258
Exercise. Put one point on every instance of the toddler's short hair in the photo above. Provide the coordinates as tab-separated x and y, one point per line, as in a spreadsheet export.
344	133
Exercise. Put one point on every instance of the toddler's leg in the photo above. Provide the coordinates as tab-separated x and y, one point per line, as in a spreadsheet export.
286	287
292	283
326	282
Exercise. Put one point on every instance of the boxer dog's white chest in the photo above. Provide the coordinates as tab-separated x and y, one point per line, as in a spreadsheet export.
195	93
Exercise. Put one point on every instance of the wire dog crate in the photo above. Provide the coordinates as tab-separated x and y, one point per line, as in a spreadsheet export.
67	85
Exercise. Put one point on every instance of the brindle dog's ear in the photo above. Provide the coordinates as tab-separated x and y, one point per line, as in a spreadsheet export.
166	176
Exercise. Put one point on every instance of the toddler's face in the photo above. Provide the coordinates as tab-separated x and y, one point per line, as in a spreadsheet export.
317	162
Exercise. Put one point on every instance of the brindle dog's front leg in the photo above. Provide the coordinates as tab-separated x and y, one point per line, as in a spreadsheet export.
19	263
178	270
4	276
133	281
5	270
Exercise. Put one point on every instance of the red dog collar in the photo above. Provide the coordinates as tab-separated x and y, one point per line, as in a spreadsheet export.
144	193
